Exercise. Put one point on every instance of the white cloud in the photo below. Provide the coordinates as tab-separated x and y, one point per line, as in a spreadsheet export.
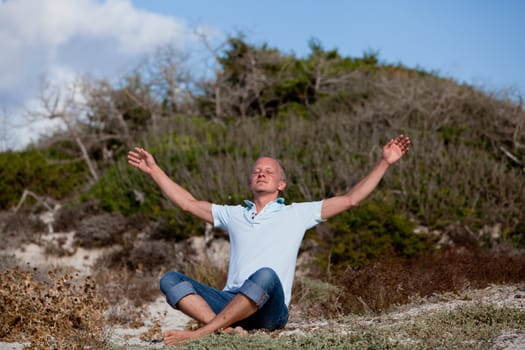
58	39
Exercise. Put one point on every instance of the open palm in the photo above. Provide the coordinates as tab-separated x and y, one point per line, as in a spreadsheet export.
396	148
141	159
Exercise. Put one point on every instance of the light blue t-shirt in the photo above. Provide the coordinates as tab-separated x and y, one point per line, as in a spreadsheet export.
270	238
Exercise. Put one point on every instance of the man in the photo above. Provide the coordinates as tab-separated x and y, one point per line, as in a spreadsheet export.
265	238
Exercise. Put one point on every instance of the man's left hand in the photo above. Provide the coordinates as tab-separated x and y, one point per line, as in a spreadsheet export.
396	148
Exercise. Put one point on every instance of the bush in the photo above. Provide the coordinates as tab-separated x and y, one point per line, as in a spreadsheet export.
446	178
366	233
61	313
150	255
43	172
101	230
316	298
20	228
120	286
391	281
71	214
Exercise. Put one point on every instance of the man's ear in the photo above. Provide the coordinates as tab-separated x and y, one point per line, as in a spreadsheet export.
282	185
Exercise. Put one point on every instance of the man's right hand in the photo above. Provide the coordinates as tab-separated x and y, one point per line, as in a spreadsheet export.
141	159
144	161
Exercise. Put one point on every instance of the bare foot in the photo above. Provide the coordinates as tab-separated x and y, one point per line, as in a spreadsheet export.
178	337
236	331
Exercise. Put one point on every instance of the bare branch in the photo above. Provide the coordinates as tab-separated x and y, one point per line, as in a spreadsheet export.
66	106
511	156
5	135
39	199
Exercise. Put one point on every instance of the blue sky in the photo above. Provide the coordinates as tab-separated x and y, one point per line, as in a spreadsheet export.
477	42
480	42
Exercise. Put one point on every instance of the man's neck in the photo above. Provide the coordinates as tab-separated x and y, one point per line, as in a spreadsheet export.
261	199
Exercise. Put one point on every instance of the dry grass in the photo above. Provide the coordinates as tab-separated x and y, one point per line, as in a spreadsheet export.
475	327
134	269
390	282
314	298
207	273
60	312
119	285
57	311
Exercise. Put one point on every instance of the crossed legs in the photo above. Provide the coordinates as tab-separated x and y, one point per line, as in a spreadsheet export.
197	308
238	309
259	303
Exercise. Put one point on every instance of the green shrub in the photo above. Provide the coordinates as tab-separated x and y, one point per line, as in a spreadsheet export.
43	172
440	183
516	236
366	233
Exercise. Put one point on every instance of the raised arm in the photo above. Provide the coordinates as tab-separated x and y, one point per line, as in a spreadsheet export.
392	152
144	161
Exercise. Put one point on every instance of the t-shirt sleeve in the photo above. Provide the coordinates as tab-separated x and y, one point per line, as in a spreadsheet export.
310	213
221	215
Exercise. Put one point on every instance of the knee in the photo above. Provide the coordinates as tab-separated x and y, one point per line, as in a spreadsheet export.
170	279
266	278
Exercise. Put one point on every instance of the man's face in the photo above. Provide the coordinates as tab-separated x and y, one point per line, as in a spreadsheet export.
266	176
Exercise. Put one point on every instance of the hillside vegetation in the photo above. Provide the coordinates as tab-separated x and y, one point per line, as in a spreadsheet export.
449	215
326	116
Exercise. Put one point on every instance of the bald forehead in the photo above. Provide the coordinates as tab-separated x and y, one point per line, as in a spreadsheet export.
266	161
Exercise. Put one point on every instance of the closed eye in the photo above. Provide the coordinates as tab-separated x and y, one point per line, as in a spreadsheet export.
263	171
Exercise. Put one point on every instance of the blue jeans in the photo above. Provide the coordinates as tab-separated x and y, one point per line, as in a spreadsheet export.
263	287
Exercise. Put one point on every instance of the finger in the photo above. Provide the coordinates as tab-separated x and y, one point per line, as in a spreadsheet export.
144	154
138	155
403	141
140	150
134	156
134	163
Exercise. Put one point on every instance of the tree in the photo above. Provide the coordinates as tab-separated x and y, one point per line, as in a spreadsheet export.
5	138
67	106
246	80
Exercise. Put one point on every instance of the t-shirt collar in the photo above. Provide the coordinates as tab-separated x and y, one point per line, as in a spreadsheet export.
251	204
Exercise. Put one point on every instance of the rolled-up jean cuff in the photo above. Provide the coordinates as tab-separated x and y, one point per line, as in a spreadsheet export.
254	292
179	291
